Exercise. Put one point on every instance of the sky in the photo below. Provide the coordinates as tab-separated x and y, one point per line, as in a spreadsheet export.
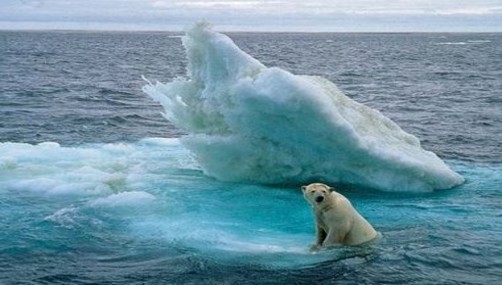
256	15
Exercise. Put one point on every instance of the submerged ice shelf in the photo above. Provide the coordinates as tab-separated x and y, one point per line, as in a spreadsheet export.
250	123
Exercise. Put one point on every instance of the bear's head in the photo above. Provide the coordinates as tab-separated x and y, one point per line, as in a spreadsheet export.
317	193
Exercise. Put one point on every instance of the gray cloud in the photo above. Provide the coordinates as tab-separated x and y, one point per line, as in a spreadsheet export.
314	15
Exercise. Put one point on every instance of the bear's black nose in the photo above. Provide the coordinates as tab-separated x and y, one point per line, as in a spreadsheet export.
319	199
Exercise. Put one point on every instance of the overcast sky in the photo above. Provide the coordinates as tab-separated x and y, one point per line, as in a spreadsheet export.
257	15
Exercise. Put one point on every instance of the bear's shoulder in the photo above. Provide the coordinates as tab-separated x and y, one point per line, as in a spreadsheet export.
338	199
338	205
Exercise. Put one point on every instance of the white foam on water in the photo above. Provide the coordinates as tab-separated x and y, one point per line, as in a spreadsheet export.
462	43
124	199
249	123
453	43
479	41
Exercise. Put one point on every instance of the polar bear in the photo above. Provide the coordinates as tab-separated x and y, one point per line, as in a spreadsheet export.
337	222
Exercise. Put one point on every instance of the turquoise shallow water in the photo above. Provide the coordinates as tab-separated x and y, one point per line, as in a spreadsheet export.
95	187
144	212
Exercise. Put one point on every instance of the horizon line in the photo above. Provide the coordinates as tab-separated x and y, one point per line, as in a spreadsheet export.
111	30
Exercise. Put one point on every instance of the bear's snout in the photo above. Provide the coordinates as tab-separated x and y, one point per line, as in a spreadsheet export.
319	199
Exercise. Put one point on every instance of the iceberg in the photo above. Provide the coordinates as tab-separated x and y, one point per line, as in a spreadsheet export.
246	122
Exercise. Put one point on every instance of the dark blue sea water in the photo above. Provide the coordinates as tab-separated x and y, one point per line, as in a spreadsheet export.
95	187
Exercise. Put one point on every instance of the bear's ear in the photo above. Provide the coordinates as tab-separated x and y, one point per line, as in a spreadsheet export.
304	188
332	189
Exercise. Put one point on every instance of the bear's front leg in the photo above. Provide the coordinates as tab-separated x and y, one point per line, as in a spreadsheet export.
320	237
334	237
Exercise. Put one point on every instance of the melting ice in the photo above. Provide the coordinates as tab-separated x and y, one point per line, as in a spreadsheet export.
149	191
250	123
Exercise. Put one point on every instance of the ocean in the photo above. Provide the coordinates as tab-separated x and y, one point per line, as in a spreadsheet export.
96	186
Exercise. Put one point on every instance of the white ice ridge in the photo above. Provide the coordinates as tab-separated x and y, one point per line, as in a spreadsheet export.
250	123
